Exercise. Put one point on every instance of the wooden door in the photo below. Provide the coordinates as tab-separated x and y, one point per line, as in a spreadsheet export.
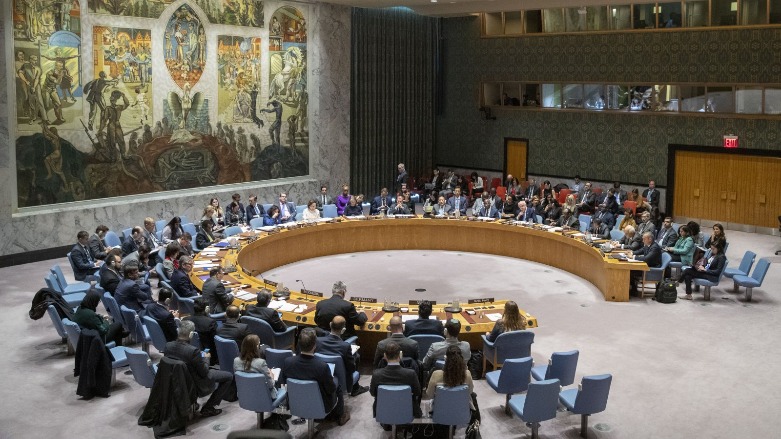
515	152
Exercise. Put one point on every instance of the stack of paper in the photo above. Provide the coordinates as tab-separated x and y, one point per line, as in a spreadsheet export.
494	316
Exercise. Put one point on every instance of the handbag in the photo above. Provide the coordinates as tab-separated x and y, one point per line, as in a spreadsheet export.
473	430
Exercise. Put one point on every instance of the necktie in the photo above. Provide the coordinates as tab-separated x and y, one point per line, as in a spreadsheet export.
323	199
89	256
457	200
618	198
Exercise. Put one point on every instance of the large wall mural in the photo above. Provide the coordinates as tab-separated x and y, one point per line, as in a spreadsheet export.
146	119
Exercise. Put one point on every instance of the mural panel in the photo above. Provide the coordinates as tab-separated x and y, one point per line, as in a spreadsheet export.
129	8
185	46
239	82
230	12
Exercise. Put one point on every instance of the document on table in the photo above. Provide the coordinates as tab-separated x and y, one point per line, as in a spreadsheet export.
288	307
246	295
276	304
493	316
354	348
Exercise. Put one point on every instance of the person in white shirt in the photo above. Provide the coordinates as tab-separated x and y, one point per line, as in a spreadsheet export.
311	212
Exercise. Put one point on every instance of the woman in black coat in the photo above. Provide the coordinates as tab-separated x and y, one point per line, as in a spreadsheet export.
87	318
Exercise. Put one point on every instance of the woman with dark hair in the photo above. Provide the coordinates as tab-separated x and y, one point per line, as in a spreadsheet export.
353	208
511	320
550	209
477	184
171	261
87	317
694	232
683	251
234	216
453	374
709	268
547	189
249	361
173	230
272	216
508	210
718	235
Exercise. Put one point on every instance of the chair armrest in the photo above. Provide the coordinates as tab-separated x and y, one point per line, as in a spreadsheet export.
111	344
486	343
352	339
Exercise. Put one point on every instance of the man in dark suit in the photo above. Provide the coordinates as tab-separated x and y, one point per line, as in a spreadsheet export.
96	244
618	193
610	203
531	191
666	236
204	378
457	202
651	254
232	329
131	293
587	201
332	344
567	219
526	213
254	210
180	280
84	263
307	367
237	198
604	214
651	194
488	210
629	241
287	210
205	326
408	346
323	198
131	244
159	311
109	273
214	292
263	312
401	178
327	309
423	325
395	375
381	203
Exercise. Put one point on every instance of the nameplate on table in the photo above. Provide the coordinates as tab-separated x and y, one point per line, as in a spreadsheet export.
312	293
417	302
363	299
485	300
247	272
270	283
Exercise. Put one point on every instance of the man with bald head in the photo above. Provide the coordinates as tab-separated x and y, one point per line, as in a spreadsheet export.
327	309
332	344
409	347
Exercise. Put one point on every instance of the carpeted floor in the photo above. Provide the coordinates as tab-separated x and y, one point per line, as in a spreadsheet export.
685	370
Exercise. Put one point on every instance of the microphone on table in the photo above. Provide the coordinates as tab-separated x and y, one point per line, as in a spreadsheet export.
306	292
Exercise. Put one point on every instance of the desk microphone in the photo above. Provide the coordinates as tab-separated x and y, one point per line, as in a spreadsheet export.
306	292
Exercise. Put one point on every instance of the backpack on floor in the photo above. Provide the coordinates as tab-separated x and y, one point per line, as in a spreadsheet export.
666	291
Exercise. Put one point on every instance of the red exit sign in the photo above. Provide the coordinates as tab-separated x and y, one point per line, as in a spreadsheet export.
730	141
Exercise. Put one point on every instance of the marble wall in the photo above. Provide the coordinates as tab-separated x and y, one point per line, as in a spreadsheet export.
329	115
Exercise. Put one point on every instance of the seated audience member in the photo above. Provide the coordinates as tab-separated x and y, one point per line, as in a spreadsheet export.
598	230
570	203
249	361
323	198
547	189
428	205
131	293
458	202
171	261
343	200
604	215
86	317
567	220
326	310
508	208
234	216
149	232
332	344
449	183
442	208
306	366
408	346
511	183
477	184
587	201
140	258
424	324
435	182
253	209
651	254
628	220
85	265
628	242
511	320
263	312
406	195
205	326
488	210
214	292
205	237
381	203
694	232
272	216
185	244
666	236
651	194
159	311
180	279
496	200
232	329
577	186
287	209
204	377
708	269
526	213
683	250
236	198
645	224
353	208
397	209
718	235
610	204
96	243
455	373
219	214
395	375
642	206
132	244
173	230
110	272
549	209
209	214
437	350
618	193
531	190
311	213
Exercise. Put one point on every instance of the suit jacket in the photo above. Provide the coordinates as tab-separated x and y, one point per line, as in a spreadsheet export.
151	239
395	375
191	356
588	199
612	206
268	315
630	243
320	203
651	255
461	203
164	318
182	284
530	192
129	246
530	215
334	345
437	351
442	210
645	227
133	295
377	203
568	222
327	309
291	210
251	212
215	295
666	237
97	247
423	327
713	270
309	367
109	279
651	196
491	212
206	327
606	217
234	331
603	232
396	210
83	262
203	239
409	348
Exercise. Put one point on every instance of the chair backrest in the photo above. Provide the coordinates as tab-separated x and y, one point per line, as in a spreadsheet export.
52	283
302	400
256	223
676	226
584	221
495	182
253	392
183	219
276	357
156	333
232	230
616	235
513	344
58	276
73	331
424	342
160	225
189	228
747	262
501	192
227	350
300	208
141	366
111	305
760	271
724	267
129	318
56	321
538	218
329	211
593	393
339	370
563	195
261	328
451	405
175	298
562	367
515	375
186	306
126	234
394	405
542	400
632	205
161	273
111	239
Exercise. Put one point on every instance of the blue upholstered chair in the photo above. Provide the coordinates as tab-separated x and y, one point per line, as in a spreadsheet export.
267	206
306	402
65	287
57	322
589	398
616	235
141	366
513	378
424	343
73	299
655	274
117	352
753	281
227	350
394	406
80	284
562	366
136	328
512	344
743	269
276	357
111	239
186	306
451	407
329	211
708	284
539	404
339	370
281	340
254	394
127	234
231	231
256	223
584	221
161	273
156	334
183	219
112	307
